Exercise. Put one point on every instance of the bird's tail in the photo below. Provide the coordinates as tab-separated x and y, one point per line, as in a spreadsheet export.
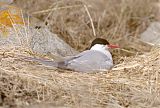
41	61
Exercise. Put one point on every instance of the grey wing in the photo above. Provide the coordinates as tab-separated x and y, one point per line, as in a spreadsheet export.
65	63
90	61
59	64
85	61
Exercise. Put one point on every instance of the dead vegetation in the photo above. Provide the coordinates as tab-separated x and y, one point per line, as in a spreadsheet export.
78	22
134	82
112	19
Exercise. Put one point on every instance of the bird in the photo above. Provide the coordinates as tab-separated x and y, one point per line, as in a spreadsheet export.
97	58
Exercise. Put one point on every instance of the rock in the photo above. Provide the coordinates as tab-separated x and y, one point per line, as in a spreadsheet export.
40	40
33	35
43	41
6	1
152	34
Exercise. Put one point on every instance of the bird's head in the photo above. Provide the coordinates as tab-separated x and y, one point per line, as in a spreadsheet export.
102	44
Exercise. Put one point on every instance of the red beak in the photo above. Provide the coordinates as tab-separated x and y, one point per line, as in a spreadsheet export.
113	46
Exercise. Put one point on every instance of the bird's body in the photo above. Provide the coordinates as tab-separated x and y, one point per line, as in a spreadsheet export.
90	60
95	59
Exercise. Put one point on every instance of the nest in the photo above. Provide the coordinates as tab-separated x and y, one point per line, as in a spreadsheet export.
132	83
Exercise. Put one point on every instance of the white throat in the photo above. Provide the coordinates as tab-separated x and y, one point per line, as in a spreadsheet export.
103	49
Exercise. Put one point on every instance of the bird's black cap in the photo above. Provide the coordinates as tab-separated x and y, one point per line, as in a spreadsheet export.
99	41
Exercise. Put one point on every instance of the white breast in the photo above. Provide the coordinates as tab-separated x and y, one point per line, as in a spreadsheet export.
103	49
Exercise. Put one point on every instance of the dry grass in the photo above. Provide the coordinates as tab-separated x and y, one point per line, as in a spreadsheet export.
78	21
111	19
134	82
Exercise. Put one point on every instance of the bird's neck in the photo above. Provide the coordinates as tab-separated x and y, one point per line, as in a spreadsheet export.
106	52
